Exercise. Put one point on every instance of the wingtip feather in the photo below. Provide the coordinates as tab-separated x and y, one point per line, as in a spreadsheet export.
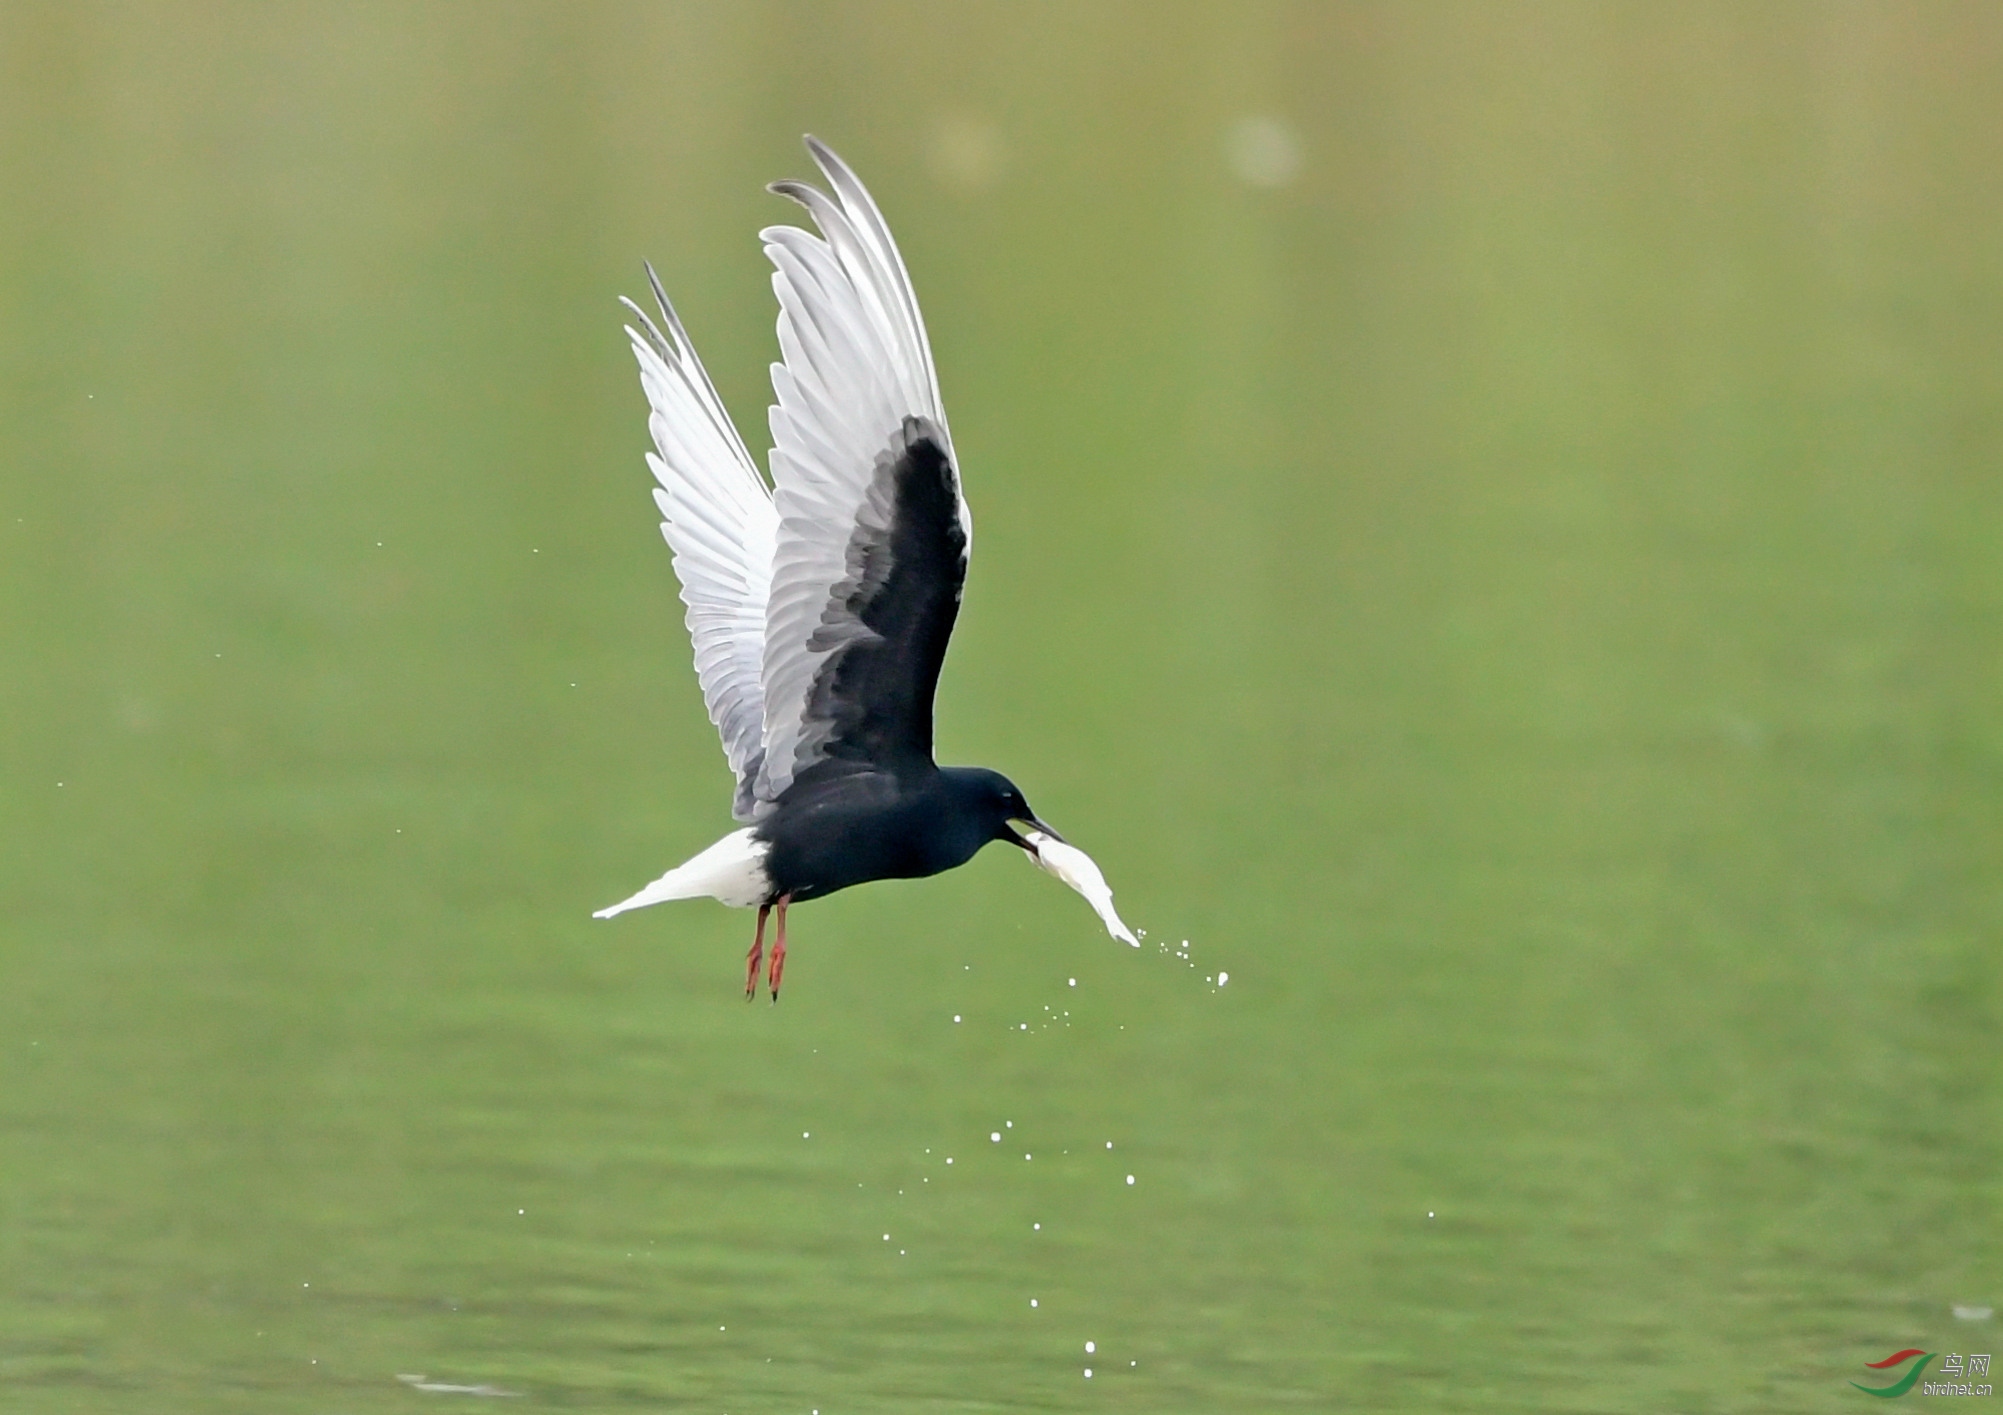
791	189
823	155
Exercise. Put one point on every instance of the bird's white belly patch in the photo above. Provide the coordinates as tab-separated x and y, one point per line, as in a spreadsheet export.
732	870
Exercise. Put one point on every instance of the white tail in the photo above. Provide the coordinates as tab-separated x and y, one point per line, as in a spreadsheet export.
732	870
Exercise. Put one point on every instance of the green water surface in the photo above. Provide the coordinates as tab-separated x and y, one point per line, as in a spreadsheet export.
1487	527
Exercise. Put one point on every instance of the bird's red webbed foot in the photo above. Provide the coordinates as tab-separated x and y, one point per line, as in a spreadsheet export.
757	953
778	948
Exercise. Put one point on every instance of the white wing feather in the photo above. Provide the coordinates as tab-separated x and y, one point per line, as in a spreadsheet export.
857	363
720	522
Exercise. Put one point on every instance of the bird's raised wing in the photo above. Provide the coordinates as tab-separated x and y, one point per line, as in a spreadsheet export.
720	523
873	531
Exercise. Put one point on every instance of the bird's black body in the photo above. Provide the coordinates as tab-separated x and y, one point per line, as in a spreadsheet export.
836	828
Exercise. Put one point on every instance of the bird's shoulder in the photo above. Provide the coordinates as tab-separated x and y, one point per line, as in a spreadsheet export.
851	783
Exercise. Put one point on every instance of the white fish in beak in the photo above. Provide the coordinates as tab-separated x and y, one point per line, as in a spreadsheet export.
1076	869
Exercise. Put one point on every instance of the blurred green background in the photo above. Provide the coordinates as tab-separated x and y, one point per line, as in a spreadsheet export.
1489	529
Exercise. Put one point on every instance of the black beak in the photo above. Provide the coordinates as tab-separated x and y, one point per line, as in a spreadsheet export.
1035	824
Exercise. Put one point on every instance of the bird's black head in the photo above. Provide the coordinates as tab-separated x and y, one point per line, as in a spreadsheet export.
997	801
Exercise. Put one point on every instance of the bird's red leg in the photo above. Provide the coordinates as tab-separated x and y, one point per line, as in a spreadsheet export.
779	946
756	955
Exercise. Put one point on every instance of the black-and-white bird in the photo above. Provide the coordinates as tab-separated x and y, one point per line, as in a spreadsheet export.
821	605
